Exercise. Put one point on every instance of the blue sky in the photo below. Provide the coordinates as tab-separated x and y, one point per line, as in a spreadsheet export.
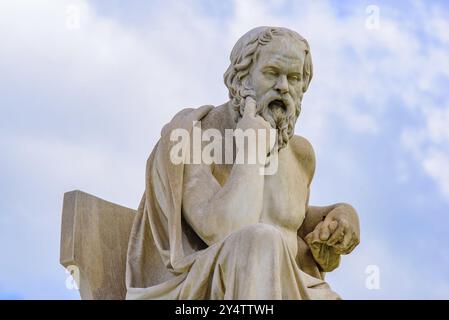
82	106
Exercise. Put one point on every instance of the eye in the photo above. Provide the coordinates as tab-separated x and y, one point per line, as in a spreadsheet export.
294	77
270	72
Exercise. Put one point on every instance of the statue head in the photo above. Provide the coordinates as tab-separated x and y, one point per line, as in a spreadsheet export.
273	66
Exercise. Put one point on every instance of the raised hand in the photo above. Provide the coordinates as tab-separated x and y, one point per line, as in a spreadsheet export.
251	120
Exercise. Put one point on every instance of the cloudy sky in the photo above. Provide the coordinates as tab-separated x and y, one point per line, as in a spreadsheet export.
86	86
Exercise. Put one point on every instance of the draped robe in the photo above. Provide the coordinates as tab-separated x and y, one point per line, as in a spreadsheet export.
167	260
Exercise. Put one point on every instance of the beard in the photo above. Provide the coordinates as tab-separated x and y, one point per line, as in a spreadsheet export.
281	112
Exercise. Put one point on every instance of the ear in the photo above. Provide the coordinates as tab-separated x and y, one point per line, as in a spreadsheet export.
307	71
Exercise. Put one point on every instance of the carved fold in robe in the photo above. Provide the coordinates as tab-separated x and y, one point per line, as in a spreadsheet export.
167	260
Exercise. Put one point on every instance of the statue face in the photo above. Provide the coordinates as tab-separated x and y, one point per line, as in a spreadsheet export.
277	79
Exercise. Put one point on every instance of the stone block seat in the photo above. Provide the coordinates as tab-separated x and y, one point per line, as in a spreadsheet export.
94	243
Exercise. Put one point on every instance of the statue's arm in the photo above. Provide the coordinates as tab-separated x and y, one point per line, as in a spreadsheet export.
329	230
314	215
340	227
215	211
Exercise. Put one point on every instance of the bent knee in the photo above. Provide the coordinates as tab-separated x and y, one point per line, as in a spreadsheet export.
257	240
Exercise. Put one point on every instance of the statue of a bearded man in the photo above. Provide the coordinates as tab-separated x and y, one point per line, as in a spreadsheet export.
221	229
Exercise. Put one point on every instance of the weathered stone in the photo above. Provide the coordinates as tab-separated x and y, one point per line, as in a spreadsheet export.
214	229
94	239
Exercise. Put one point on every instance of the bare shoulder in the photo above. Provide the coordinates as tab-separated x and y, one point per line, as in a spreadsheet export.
305	154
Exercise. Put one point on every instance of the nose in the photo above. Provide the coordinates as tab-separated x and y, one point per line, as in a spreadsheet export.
282	84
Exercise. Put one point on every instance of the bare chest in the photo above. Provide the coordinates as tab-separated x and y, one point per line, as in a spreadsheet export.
285	192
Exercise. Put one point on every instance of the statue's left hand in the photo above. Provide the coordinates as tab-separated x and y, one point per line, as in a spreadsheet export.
337	234
326	256
340	229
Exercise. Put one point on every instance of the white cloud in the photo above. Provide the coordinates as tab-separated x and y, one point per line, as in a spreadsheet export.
436	165
429	145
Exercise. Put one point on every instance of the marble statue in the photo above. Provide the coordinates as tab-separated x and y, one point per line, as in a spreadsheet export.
222	229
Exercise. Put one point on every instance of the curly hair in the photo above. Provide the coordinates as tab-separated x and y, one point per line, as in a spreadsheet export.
243	55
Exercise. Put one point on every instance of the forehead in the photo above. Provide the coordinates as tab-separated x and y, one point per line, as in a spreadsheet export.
284	51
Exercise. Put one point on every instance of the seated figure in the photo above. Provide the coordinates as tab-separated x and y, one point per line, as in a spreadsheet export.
222	229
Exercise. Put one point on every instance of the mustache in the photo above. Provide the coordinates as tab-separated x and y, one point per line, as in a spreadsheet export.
276	107
274	99
281	112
